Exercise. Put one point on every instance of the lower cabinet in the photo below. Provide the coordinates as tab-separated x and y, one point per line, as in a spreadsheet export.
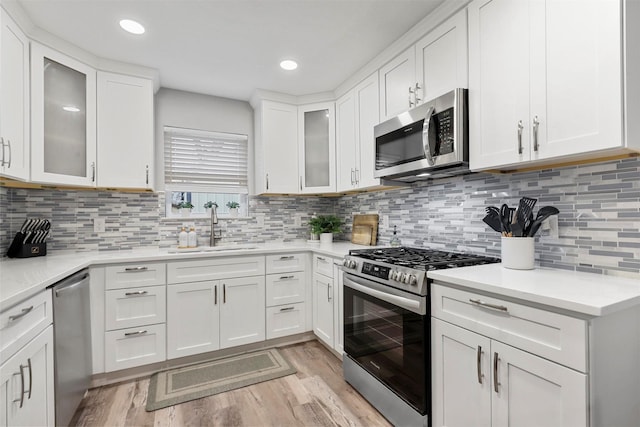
127	348
26	384
286	320
210	315
323	308
482	382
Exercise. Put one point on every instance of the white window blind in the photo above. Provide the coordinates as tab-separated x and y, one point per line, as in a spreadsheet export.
207	161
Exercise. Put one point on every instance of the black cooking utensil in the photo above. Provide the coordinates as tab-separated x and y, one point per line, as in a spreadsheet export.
505	219
525	209
492	219
544	213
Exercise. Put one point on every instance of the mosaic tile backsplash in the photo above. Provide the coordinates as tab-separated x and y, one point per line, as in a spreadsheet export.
599	221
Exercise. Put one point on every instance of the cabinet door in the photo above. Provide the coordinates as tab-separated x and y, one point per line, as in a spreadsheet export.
461	376
14	100
346	142
441	58
63	119
367	116
30	370
128	308
286	288
535	392
128	348
125	131
397	77
498	82
323	308
576	77
318	148
242	313
285	320
277	148
193	325
338	310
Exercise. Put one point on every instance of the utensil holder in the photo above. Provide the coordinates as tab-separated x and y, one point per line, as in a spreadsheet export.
518	253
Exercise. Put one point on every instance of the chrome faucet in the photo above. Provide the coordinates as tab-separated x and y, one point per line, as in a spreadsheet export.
214	220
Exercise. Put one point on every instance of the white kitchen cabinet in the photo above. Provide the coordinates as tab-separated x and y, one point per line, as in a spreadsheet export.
317	149
338	310
131	347
483	382
441	58
127	308
276	153
125	131
14	100
193	318
398	84
357	112
285	288
242	313
135	275
285	320
63	119
323	315
26	384
323	265
539	91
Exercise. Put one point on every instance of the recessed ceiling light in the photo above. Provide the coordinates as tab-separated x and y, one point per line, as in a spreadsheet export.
288	65
71	108
132	26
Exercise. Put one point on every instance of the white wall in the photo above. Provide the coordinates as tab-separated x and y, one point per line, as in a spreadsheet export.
196	111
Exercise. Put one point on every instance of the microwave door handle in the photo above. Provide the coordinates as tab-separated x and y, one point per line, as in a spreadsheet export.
426	145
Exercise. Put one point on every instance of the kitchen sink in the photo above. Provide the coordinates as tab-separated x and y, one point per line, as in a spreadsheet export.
201	249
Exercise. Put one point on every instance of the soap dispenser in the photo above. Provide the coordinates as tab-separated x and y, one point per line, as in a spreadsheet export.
183	238
395	240
192	238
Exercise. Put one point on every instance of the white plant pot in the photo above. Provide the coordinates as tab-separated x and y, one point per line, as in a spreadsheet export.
185	212
233	212
326	237
207	211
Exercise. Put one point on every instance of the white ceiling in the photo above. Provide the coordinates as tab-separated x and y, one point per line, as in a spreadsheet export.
230	48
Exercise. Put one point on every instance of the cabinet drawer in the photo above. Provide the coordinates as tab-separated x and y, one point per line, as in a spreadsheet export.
323	265
285	320
22	322
135	275
128	308
285	263
554	336
215	269
285	288
127	348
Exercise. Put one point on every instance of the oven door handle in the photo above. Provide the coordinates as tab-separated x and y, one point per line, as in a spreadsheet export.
406	303
426	144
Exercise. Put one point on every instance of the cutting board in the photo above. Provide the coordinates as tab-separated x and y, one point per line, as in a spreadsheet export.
361	234
370	224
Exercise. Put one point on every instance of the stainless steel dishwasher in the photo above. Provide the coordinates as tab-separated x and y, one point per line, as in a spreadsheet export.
72	344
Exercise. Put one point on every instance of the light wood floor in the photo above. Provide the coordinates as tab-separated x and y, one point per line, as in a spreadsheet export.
316	395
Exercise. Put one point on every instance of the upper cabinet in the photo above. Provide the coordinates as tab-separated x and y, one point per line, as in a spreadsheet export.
356	115
546	80
14	100
317	148
125	131
435	65
63	119
276	148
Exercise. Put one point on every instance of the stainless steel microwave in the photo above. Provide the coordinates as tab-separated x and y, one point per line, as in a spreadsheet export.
428	141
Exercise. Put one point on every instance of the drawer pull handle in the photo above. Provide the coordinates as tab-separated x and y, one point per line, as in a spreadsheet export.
128	294
30	377
21	400
487	305
321	258
286	257
215	295
128	334
287	309
479	364
287	277
134	269
23	313
495	372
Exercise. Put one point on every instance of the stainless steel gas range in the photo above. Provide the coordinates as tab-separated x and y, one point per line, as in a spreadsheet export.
387	327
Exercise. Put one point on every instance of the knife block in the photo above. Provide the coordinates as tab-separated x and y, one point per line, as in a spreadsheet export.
25	250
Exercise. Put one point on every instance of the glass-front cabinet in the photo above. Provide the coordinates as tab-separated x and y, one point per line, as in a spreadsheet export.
318	148
63	127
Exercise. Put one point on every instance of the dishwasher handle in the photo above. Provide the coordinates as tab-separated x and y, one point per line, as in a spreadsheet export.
71	282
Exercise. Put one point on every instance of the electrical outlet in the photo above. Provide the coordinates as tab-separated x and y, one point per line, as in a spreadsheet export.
554	232
385	221
99	225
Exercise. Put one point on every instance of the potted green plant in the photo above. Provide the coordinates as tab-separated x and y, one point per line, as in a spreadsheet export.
233	209
209	205
185	208
326	226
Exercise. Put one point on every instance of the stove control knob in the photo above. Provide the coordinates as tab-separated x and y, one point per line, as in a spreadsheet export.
393	275
413	280
352	264
345	262
402	277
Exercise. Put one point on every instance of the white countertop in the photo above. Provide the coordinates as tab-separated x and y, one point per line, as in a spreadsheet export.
21	278
585	293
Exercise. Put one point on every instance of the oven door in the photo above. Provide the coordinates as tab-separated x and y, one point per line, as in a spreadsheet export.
386	332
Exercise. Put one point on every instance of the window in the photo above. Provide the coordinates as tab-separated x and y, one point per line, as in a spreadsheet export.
202	166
